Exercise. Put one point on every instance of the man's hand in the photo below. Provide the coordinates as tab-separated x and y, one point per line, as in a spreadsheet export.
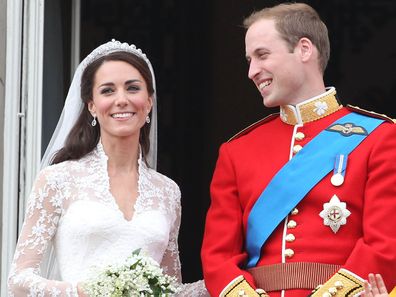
375	286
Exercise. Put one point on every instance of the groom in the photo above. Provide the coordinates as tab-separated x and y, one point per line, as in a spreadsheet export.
305	197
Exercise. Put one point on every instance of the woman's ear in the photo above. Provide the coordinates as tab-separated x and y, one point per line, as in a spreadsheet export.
91	107
150	100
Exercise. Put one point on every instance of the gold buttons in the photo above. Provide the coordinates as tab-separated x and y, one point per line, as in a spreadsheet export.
339	285
291	224
297	148
261	292
294	211
289	253
290	237
332	291
299	136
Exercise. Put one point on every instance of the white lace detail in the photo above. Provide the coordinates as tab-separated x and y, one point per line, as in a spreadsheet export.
71	207
196	289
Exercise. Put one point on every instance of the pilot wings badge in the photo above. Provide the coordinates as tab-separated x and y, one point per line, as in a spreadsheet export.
334	213
347	129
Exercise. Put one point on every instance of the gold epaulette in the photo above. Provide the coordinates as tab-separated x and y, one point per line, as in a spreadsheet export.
393	293
239	287
371	113
341	284
253	126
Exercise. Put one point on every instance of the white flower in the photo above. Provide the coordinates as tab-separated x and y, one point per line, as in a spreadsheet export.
138	275
320	107
55	292
38	230
56	201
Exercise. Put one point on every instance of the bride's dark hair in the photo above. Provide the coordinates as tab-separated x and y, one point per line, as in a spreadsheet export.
83	137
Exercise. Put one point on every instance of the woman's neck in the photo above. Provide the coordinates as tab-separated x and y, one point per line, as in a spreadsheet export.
122	154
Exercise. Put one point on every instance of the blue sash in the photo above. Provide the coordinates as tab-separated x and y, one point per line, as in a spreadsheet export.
298	176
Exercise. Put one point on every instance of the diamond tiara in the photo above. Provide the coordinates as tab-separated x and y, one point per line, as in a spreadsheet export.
114	46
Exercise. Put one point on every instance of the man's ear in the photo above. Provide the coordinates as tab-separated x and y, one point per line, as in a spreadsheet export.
306	49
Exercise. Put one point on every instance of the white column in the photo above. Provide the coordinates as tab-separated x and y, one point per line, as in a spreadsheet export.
32	96
12	118
75	38
23	114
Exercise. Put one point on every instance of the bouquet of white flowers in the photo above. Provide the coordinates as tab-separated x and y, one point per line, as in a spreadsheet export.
138	276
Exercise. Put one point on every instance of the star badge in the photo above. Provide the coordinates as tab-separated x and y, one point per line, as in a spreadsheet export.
334	213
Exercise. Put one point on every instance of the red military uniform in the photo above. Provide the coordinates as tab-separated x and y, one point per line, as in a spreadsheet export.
246	164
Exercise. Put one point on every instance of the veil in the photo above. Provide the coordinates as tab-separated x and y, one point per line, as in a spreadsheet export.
70	113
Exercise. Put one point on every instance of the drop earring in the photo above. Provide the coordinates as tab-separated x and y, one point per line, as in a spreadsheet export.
93	123
147	119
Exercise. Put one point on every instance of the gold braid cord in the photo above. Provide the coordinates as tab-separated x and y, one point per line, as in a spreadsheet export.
239	287
341	284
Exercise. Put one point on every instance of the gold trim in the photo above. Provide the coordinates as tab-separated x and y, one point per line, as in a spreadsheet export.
344	283
370	113
252	126
310	110
239	287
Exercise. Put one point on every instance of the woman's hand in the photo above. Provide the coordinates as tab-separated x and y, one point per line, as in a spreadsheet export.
80	291
375	286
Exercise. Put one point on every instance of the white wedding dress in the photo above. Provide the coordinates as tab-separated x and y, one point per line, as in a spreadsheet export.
72	210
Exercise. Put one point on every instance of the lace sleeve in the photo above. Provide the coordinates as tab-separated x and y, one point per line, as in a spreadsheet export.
43	211
196	289
171	260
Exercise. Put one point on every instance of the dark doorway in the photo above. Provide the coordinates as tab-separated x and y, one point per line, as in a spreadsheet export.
175	36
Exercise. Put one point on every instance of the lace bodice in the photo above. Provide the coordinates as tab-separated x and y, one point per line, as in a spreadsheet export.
72	210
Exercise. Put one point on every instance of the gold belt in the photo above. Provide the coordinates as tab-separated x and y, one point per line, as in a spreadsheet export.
297	275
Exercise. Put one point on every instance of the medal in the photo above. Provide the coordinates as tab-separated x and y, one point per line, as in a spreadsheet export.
334	213
337	179
339	170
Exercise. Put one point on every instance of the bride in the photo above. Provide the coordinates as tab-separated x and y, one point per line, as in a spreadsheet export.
101	198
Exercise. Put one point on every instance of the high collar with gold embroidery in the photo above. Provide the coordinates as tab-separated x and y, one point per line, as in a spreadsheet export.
310	110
